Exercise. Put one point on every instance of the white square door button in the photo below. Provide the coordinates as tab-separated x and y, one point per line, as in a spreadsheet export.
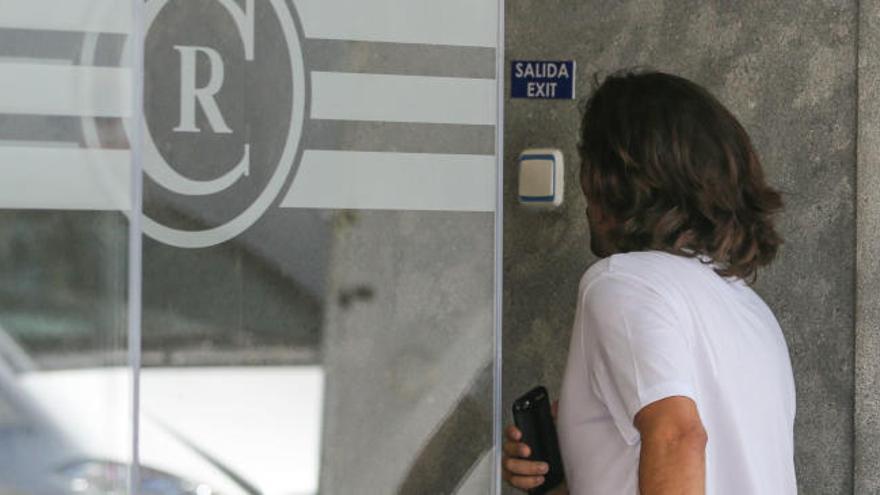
540	177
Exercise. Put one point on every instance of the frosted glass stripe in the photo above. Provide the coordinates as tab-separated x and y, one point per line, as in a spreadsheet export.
101	16
97	179
393	181
433	22
52	89
396	98
447	22
64	178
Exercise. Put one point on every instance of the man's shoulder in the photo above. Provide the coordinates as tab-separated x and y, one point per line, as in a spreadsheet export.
648	267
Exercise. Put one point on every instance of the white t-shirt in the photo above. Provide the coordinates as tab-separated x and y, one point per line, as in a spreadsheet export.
651	325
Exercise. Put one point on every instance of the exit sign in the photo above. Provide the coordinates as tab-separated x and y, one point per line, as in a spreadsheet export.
544	80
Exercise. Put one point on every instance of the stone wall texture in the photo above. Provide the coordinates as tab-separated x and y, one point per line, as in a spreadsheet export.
789	70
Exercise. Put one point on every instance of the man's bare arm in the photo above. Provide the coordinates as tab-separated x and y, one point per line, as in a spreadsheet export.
673	451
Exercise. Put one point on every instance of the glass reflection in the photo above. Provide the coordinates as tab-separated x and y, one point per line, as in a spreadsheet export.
64	385
352	315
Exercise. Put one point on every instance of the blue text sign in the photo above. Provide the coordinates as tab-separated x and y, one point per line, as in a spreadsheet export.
542	79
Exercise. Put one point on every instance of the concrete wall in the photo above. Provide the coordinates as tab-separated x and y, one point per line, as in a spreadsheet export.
867	356
407	353
787	69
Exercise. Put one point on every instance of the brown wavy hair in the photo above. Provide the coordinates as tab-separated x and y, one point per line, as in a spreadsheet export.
675	171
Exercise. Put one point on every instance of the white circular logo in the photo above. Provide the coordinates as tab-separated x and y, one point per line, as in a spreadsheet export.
225	98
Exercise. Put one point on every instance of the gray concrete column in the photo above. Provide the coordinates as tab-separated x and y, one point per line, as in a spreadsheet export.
866	448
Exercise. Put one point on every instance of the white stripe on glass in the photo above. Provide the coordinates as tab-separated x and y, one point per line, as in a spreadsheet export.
395	98
393	181
433	22
101	16
51	89
97	179
64	178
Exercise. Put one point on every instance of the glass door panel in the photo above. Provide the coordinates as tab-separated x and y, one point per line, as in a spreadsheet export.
319	220
65	381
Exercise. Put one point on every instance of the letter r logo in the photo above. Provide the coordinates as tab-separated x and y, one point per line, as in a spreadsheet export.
190	94
209	171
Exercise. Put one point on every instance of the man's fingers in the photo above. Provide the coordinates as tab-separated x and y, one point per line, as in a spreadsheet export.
554	408
521	473
517	449
525	482
513	432
524	467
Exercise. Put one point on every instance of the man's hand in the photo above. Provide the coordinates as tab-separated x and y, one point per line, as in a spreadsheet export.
673	450
518	471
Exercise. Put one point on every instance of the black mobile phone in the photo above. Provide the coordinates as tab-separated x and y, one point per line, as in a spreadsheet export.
532	416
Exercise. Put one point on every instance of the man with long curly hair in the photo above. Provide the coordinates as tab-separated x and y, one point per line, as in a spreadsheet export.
678	379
